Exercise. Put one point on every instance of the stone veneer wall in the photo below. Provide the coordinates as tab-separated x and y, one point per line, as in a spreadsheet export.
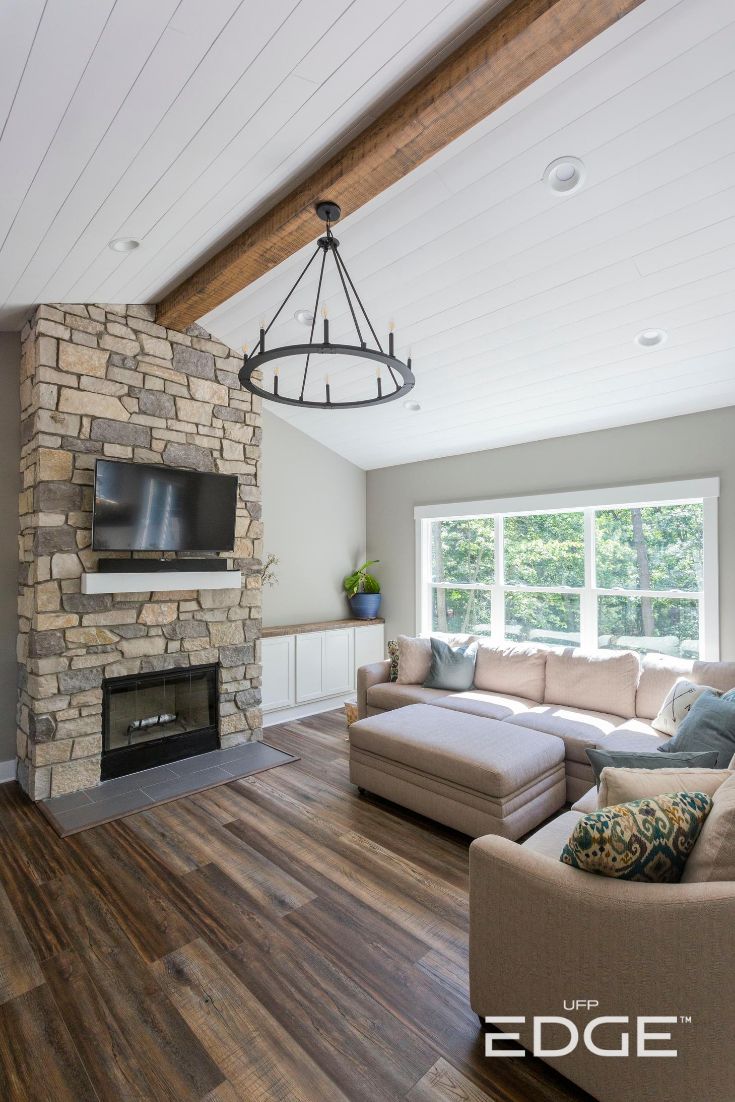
107	381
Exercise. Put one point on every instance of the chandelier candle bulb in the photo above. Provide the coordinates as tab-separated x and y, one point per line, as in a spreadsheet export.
391	339
275	379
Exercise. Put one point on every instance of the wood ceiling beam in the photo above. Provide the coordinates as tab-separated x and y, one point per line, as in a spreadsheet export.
510	52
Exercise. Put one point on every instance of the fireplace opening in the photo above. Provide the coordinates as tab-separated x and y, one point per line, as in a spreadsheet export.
153	718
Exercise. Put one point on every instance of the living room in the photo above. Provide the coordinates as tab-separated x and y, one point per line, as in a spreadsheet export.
368	642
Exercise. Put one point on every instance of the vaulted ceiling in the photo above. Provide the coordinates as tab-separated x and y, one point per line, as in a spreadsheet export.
175	122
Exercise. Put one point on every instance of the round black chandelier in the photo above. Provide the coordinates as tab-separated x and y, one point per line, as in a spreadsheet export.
399	377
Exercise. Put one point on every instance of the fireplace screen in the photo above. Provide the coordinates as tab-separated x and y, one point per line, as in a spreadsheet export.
158	717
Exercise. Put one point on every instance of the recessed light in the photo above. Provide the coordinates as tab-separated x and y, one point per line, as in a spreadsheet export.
304	316
124	244
651	338
412	407
565	175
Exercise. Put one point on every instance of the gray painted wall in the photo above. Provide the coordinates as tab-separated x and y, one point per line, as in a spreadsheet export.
9	485
658	451
314	521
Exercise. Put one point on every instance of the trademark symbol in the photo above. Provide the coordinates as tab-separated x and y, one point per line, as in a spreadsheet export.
685	1019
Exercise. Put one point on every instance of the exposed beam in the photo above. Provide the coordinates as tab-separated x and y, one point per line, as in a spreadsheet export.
510	52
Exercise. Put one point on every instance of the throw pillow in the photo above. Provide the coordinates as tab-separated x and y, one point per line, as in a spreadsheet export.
713	857
645	759
620	786
452	668
677	703
647	840
710	725
414	660
392	648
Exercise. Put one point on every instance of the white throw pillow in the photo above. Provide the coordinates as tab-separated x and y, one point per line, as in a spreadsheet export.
677	703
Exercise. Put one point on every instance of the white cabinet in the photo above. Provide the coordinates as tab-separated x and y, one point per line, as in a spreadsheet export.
309	666
279	681
312	671
369	644
338	662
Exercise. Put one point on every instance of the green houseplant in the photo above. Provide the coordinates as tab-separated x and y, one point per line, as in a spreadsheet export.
363	591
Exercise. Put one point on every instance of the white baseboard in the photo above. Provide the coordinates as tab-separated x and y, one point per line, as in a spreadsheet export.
7	771
313	708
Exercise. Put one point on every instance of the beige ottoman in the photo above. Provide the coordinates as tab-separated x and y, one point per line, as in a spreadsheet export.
478	775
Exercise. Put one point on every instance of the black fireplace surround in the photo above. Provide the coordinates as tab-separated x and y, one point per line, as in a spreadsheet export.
158	717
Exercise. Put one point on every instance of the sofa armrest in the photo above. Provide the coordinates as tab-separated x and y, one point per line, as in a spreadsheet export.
542	933
374	674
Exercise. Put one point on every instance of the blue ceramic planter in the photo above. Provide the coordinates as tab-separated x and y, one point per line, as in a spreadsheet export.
365	606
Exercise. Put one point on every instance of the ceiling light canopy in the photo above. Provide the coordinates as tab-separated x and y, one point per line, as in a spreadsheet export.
411	406
565	175
124	244
389	377
651	338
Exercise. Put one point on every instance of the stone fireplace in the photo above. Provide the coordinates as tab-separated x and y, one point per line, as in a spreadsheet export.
107	381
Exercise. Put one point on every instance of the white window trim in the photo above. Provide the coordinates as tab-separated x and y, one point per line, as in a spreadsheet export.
706	490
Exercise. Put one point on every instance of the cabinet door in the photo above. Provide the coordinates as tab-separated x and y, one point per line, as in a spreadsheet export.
338	661
369	644
309	663
278	672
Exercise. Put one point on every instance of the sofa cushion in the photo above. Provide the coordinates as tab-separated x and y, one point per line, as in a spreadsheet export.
388	695
484	755
645	840
518	669
713	856
602	681
577	728
619	786
658	674
720	675
634	734
550	839
478	703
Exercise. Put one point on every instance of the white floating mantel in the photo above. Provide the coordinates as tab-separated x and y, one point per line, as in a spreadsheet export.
143	581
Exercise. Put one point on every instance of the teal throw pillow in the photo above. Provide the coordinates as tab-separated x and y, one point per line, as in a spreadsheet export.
648	759
452	668
647	840
709	725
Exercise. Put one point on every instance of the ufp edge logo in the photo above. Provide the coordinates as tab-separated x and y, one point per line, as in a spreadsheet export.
644	1033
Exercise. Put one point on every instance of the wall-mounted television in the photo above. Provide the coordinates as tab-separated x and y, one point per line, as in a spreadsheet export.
145	507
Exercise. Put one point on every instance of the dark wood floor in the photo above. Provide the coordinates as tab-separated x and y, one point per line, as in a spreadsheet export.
278	938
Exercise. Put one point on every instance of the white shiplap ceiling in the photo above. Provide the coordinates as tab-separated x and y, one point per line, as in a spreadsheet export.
176	121
173	121
521	307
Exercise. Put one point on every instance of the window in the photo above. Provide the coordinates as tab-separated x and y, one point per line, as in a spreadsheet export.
591	570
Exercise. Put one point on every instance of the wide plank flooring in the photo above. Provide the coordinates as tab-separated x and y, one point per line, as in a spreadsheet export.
276	939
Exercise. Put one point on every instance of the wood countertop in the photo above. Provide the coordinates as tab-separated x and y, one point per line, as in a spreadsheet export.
319	625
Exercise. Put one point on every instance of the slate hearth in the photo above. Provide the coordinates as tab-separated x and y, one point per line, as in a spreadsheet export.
141	791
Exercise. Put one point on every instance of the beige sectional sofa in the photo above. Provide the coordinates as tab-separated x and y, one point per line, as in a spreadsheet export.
535	710
498	761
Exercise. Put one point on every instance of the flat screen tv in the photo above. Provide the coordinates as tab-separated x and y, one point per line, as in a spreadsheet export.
144	507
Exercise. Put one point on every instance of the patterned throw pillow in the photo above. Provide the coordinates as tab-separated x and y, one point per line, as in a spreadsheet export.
392	647
677	702
646	840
